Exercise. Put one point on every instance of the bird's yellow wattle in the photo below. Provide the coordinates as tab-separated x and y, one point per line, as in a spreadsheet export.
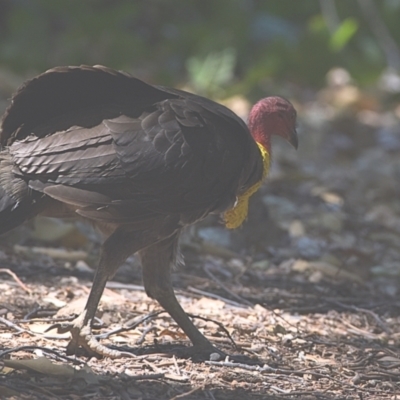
235	216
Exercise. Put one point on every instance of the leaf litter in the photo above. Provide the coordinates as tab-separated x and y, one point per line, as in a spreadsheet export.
308	288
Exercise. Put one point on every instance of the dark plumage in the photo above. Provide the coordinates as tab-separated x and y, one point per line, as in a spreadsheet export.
139	161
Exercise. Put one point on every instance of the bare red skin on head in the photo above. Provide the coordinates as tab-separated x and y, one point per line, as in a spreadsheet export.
273	116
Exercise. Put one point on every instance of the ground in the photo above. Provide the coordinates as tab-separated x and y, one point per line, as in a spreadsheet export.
307	289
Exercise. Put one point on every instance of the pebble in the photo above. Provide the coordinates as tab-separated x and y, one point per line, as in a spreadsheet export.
309	247
217	235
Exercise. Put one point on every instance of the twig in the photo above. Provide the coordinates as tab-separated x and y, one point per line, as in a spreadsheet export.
278	371
375	375
221	326
15	277
283	319
152	366
178	371
215	296
144	333
44	349
119	285
29	332
222	286
284	392
9	324
50	319
129	325
31	313
146	376
265	368
376	317
183	395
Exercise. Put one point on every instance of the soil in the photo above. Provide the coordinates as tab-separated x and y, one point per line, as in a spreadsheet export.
307	290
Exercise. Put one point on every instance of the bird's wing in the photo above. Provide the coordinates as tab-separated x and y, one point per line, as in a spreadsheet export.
142	149
171	158
66	96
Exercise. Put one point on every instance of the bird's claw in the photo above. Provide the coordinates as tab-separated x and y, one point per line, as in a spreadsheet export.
83	341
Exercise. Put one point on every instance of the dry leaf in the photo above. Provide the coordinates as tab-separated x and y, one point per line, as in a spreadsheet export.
43	366
173	334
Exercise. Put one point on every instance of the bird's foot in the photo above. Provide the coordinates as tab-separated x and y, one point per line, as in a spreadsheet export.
84	343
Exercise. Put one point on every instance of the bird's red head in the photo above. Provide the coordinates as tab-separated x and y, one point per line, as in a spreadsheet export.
273	116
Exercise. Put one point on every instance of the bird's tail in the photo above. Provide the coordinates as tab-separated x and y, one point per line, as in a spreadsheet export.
16	204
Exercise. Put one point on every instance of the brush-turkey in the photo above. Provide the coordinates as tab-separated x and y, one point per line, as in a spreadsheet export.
140	162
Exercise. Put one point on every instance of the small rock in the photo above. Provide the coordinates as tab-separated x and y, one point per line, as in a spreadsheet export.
316	277
287	340
81	266
279	207
296	229
215	357
217	235
389	269
389	138
262	264
332	221
309	247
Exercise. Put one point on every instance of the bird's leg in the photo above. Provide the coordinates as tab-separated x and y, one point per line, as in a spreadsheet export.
115	250
156	263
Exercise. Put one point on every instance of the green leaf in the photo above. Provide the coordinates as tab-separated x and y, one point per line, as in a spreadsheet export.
210	74
343	34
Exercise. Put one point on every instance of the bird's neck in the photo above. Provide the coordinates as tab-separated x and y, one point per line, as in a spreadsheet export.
257	126
266	157
235	216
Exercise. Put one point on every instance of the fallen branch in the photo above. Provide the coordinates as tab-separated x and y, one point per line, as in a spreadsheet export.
15	277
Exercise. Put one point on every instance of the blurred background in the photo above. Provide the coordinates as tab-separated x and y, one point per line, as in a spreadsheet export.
334	203
219	48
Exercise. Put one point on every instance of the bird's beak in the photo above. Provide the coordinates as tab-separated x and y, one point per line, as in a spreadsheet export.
293	139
